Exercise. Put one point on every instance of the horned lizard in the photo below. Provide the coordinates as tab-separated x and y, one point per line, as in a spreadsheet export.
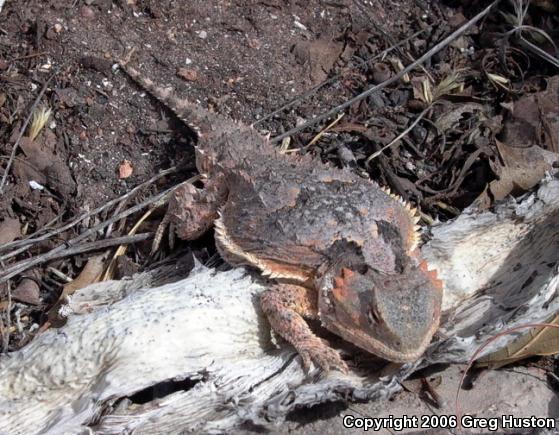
334	246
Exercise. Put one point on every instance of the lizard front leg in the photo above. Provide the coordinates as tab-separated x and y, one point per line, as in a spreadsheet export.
285	305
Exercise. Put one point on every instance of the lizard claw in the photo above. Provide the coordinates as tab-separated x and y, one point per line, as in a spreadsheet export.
321	354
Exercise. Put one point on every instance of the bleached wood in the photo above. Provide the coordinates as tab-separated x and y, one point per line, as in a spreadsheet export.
500	270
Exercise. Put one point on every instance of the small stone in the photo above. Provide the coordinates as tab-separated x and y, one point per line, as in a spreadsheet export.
381	73
87	12
125	169
50	33
415	105
3	65
190	75
27	292
57	27
300	25
202	34
299	121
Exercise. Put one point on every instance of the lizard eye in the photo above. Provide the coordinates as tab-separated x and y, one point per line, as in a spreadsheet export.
361	269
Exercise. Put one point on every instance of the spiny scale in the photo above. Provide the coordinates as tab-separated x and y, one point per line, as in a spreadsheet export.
190	114
431	273
223	237
412	210
414	215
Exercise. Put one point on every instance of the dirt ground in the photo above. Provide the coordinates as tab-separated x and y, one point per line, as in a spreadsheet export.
485	109
518	391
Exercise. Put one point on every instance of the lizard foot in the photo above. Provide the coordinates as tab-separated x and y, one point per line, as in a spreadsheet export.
317	351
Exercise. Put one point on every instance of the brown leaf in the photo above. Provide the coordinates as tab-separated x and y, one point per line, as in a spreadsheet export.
91	273
10	229
454	113
319	56
190	75
43	165
125	169
28	292
522	170
535	119
537	341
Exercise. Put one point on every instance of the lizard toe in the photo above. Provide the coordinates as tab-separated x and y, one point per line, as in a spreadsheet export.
322	355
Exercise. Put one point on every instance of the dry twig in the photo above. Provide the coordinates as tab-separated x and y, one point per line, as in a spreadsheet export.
438	47
33	239
335	79
20	266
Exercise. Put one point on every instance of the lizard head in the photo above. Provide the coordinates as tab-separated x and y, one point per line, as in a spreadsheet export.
392	315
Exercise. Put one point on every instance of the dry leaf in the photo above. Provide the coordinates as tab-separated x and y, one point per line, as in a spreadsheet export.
537	341
546	5
28	292
454	113
399	66
90	274
319	56
125	169
498	79
421	88
43	165
10	229
523	169
534	119
426	92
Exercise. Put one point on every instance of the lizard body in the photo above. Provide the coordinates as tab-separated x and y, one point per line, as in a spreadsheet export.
336	247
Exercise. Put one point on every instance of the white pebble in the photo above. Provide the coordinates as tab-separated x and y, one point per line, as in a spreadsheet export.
36	186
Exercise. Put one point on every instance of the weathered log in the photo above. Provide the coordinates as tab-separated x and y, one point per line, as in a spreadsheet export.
205	338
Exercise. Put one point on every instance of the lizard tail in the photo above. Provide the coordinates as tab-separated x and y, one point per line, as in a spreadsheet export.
197	118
